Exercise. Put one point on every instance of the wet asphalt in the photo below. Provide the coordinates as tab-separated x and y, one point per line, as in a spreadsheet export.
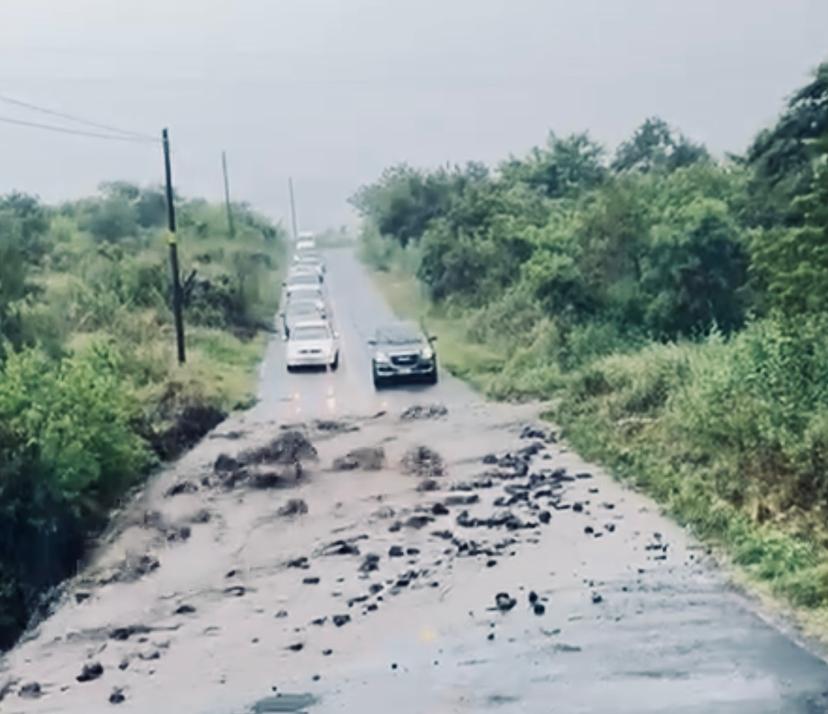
585	599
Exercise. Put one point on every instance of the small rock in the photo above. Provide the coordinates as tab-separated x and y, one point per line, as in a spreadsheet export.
533	597
294	507
538	608
311	580
490	459
184	609
578	507
428	484
327	653
235	590
504	602
395	551
424	411
31	690
544	517
438	509
370	563
117	696
340	620
597	598
90	671
296	646
181	487
589	530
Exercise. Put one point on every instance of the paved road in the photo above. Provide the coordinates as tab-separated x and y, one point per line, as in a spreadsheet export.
635	618
358	310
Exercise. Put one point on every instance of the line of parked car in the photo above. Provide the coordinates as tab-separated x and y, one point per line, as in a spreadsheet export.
399	351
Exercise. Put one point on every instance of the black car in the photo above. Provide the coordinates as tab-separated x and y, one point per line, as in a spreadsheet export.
402	353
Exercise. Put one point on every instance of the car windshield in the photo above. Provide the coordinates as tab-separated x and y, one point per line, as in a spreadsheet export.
306	292
397	335
310	332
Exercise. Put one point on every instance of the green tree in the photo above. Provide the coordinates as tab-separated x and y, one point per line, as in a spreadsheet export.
656	147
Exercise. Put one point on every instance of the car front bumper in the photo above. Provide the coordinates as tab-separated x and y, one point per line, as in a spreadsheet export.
310	360
387	370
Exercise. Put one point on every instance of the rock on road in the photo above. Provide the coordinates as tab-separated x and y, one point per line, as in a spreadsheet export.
319	553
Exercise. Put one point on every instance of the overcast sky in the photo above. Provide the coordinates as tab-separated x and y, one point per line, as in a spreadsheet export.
332	91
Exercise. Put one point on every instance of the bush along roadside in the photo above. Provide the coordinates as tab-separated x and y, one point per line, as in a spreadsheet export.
671	308
91	397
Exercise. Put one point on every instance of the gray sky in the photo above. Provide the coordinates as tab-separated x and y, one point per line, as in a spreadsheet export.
332	91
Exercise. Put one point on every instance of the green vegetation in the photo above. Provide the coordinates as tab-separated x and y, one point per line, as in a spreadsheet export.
91	396
673	307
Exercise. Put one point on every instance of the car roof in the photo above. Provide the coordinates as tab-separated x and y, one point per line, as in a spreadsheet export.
311	323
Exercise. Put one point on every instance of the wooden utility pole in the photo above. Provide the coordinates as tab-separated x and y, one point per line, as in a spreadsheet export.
176	278
293	210
231	229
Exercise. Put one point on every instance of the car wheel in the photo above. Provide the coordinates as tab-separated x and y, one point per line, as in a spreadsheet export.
378	381
291	368
335	362
432	378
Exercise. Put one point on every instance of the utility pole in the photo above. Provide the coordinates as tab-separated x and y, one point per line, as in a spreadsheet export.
230	227
176	278
293	210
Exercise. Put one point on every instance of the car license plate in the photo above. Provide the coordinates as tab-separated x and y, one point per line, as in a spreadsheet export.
404	370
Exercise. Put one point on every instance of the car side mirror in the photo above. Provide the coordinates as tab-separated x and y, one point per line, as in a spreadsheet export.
432	338
372	342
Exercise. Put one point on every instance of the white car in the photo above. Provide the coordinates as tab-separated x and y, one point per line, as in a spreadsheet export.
303	277
312	344
305	292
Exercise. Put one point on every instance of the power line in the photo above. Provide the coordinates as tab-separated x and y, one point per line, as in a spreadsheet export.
65	130
76	119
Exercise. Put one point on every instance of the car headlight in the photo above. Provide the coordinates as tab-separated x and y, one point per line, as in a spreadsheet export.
427	353
381	357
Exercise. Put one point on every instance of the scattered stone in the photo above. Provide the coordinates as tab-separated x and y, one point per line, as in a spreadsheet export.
490	459
418	521
181	487
281	614
124	633
423	462
184	609
589	530
117	696
412	551
225	464
340	620
597	598
289	447
333	426
491	563
538	608
533	597
395	551
232	573
370	563
583	475
90	671
294	507
610	527
82	596
490	636
296	646
438	509
462	500
178	534
132	569
311	581
300	562
424	411
428	484
235	590
578	507
504	602
340	547
375	588
327	652
31	690
319	621
123	664
544	517
367	458
532	432
201	516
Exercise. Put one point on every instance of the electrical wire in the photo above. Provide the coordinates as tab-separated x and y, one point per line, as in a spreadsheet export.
138	139
76	119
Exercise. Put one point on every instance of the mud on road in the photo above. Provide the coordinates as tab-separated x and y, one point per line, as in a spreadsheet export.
276	581
410	557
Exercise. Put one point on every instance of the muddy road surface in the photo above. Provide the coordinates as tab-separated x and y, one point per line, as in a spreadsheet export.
332	550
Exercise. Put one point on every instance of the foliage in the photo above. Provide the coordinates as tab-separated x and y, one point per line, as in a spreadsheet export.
89	386
673	306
